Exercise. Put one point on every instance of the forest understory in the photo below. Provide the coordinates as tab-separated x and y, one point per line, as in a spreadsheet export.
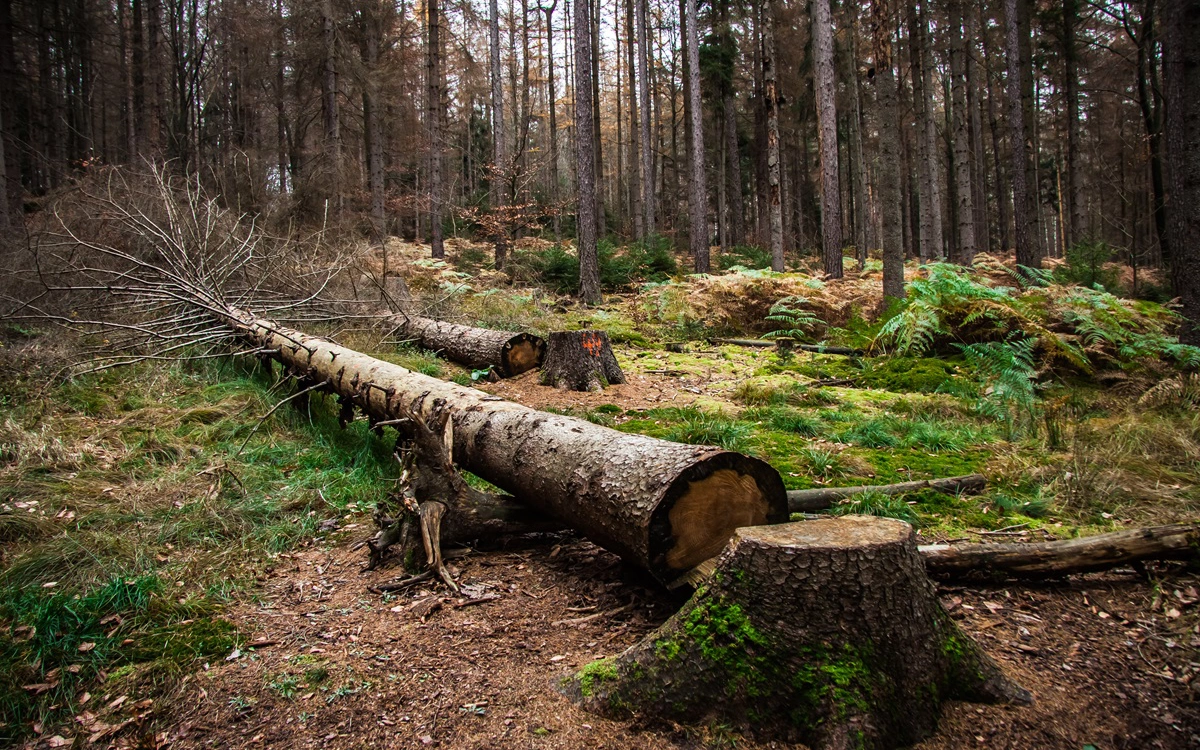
180	572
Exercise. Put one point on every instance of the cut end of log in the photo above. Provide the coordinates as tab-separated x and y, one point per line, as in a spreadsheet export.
706	504
522	353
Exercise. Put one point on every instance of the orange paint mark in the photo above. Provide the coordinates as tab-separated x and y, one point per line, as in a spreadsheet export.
591	344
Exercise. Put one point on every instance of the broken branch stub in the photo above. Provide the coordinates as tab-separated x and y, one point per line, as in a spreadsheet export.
662	506
824	632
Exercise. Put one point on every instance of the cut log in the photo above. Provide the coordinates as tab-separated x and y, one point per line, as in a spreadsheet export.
580	361
807	501
791	344
663	506
1052	559
507	353
823	632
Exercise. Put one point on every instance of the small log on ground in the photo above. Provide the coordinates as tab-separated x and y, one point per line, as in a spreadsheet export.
580	361
506	352
823	632
792	344
663	506
1052	559
807	501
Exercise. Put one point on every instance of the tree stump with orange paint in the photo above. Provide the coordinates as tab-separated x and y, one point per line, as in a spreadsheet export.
580	361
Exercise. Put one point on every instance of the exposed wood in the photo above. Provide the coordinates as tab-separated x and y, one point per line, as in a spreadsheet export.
814	631
506	352
580	361
805	501
1051	559
662	506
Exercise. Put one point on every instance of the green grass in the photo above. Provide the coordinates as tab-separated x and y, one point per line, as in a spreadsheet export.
131	483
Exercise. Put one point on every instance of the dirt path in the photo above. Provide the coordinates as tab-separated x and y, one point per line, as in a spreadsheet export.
1107	666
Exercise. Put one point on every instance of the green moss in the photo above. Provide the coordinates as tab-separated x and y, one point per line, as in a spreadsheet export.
907	374
592	675
837	679
723	635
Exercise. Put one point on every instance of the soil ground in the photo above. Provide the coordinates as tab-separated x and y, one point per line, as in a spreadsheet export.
1107	665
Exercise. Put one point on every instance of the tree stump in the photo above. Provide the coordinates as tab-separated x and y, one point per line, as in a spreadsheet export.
580	361
823	632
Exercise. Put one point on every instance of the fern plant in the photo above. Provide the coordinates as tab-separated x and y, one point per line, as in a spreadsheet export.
794	321
1007	391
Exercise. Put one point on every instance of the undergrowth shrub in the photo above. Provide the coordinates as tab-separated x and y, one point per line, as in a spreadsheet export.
1074	326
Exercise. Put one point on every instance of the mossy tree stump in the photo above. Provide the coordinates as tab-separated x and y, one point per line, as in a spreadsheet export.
580	361
824	632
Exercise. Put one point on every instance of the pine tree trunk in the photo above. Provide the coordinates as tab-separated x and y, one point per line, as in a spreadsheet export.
585	156
831	198
553	134
698	187
1027	254
433	123
373	131
771	102
889	152
737	206
500	162
823	632
1070	19
1181	70
331	178
646	148
964	197
636	115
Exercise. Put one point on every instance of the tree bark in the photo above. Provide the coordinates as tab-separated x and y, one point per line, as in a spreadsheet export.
1027	254
737	206
552	105
930	230
580	361
372	126
1052	559
433	124
1181	70
831	199
1074	225
585	159
698	189
807	501
889	152
645	148
964	193
505	352
662	506
824	632
329	108
500	163
771	102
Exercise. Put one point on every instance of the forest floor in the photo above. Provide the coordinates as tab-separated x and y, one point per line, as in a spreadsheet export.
174	576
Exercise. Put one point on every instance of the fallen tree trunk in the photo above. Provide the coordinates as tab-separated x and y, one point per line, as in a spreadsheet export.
506	352
817	348
1051	559
807	501
660	505
824	632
